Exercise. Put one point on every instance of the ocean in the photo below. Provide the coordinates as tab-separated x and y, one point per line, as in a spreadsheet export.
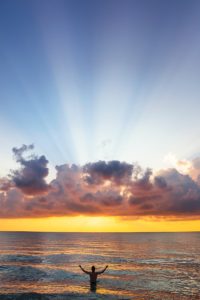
141	265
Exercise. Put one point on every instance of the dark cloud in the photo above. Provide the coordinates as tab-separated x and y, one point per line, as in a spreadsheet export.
18	152
87	198
160	182
114	170
31	176
140	200
106	198
110	188
178	195
81	209
144	182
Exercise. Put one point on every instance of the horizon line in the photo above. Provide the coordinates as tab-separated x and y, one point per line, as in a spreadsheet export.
26	231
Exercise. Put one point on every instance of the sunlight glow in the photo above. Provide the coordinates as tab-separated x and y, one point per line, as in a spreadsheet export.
118	80
96	224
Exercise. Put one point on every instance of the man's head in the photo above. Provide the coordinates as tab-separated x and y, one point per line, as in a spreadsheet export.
93	268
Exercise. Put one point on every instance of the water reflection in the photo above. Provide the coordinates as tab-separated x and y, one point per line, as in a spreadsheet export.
158	266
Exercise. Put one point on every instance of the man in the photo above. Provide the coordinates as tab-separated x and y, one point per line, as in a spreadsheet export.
93	276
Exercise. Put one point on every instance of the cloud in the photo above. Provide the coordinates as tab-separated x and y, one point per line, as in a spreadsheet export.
110	188
114	171
18	152
160	182
30	178
185	166
5	184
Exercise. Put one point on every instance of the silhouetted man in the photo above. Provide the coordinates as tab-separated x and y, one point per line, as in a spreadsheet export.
93	276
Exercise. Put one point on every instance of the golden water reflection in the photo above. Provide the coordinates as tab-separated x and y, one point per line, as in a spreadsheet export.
141	266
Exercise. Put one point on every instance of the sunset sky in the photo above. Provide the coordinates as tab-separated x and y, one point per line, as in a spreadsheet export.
99	115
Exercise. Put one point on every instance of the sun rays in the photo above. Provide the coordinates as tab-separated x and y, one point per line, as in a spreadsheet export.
110	81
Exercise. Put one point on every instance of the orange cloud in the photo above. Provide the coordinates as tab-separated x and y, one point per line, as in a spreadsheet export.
102	188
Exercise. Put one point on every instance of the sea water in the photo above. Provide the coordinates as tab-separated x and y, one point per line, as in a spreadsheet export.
141	265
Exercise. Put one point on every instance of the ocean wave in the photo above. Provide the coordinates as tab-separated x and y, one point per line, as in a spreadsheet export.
29	273
21	273
20	258
80	296
55	259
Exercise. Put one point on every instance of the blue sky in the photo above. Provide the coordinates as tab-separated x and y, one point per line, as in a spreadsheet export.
92	80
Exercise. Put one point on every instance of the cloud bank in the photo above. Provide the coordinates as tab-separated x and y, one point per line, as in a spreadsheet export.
100	188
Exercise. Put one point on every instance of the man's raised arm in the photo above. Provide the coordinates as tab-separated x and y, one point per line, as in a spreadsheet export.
100	272
84	270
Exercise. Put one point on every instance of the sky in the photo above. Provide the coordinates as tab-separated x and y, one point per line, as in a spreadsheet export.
99	115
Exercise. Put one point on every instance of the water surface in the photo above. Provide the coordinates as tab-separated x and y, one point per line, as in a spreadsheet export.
141	265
